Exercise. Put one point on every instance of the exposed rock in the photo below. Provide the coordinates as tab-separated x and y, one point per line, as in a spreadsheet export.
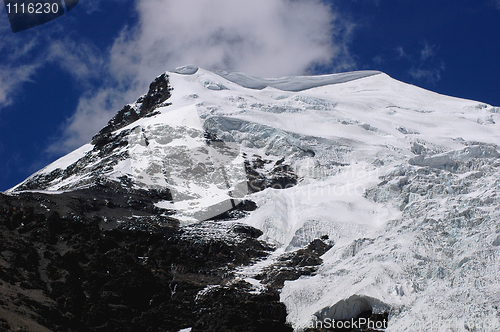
66	269
159	92
281	176
233	308
293	265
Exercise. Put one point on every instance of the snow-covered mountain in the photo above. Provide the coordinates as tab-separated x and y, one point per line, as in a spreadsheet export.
403	184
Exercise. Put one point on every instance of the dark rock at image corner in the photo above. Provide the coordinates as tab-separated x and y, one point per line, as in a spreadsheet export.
65	268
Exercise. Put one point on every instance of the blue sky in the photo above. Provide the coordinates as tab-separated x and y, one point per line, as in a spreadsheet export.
61	82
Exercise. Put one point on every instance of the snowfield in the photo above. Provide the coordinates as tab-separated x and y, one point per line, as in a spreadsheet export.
404	181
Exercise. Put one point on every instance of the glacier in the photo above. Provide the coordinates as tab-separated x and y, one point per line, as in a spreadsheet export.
403	181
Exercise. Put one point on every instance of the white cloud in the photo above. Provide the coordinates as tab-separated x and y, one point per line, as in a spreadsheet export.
92	113
427	74
400	53
424	65
11	79
260	37
429	67
13	69
431	75
427	52
24	53
82	60
89	6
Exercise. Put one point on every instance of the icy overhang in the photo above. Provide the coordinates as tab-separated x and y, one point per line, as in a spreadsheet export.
291	83
352	307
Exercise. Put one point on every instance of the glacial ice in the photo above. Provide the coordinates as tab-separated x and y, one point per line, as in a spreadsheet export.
453	159
186	70
294	83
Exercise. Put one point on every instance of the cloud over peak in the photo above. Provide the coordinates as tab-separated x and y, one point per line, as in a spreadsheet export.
265	38
259	37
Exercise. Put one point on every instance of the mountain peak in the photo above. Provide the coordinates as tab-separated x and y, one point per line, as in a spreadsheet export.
159	92
401	181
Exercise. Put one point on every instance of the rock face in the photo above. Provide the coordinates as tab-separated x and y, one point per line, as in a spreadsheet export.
159	92
225	202
74	272
108	149
291	266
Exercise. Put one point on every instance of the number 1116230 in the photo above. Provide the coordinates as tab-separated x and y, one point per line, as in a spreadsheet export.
32	8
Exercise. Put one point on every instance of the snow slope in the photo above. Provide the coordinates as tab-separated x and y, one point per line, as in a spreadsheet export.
403	180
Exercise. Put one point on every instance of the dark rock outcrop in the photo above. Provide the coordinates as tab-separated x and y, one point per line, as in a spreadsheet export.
65	268
159	92
293	265
233	308
280	176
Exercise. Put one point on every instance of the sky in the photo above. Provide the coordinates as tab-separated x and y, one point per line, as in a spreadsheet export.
62	81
